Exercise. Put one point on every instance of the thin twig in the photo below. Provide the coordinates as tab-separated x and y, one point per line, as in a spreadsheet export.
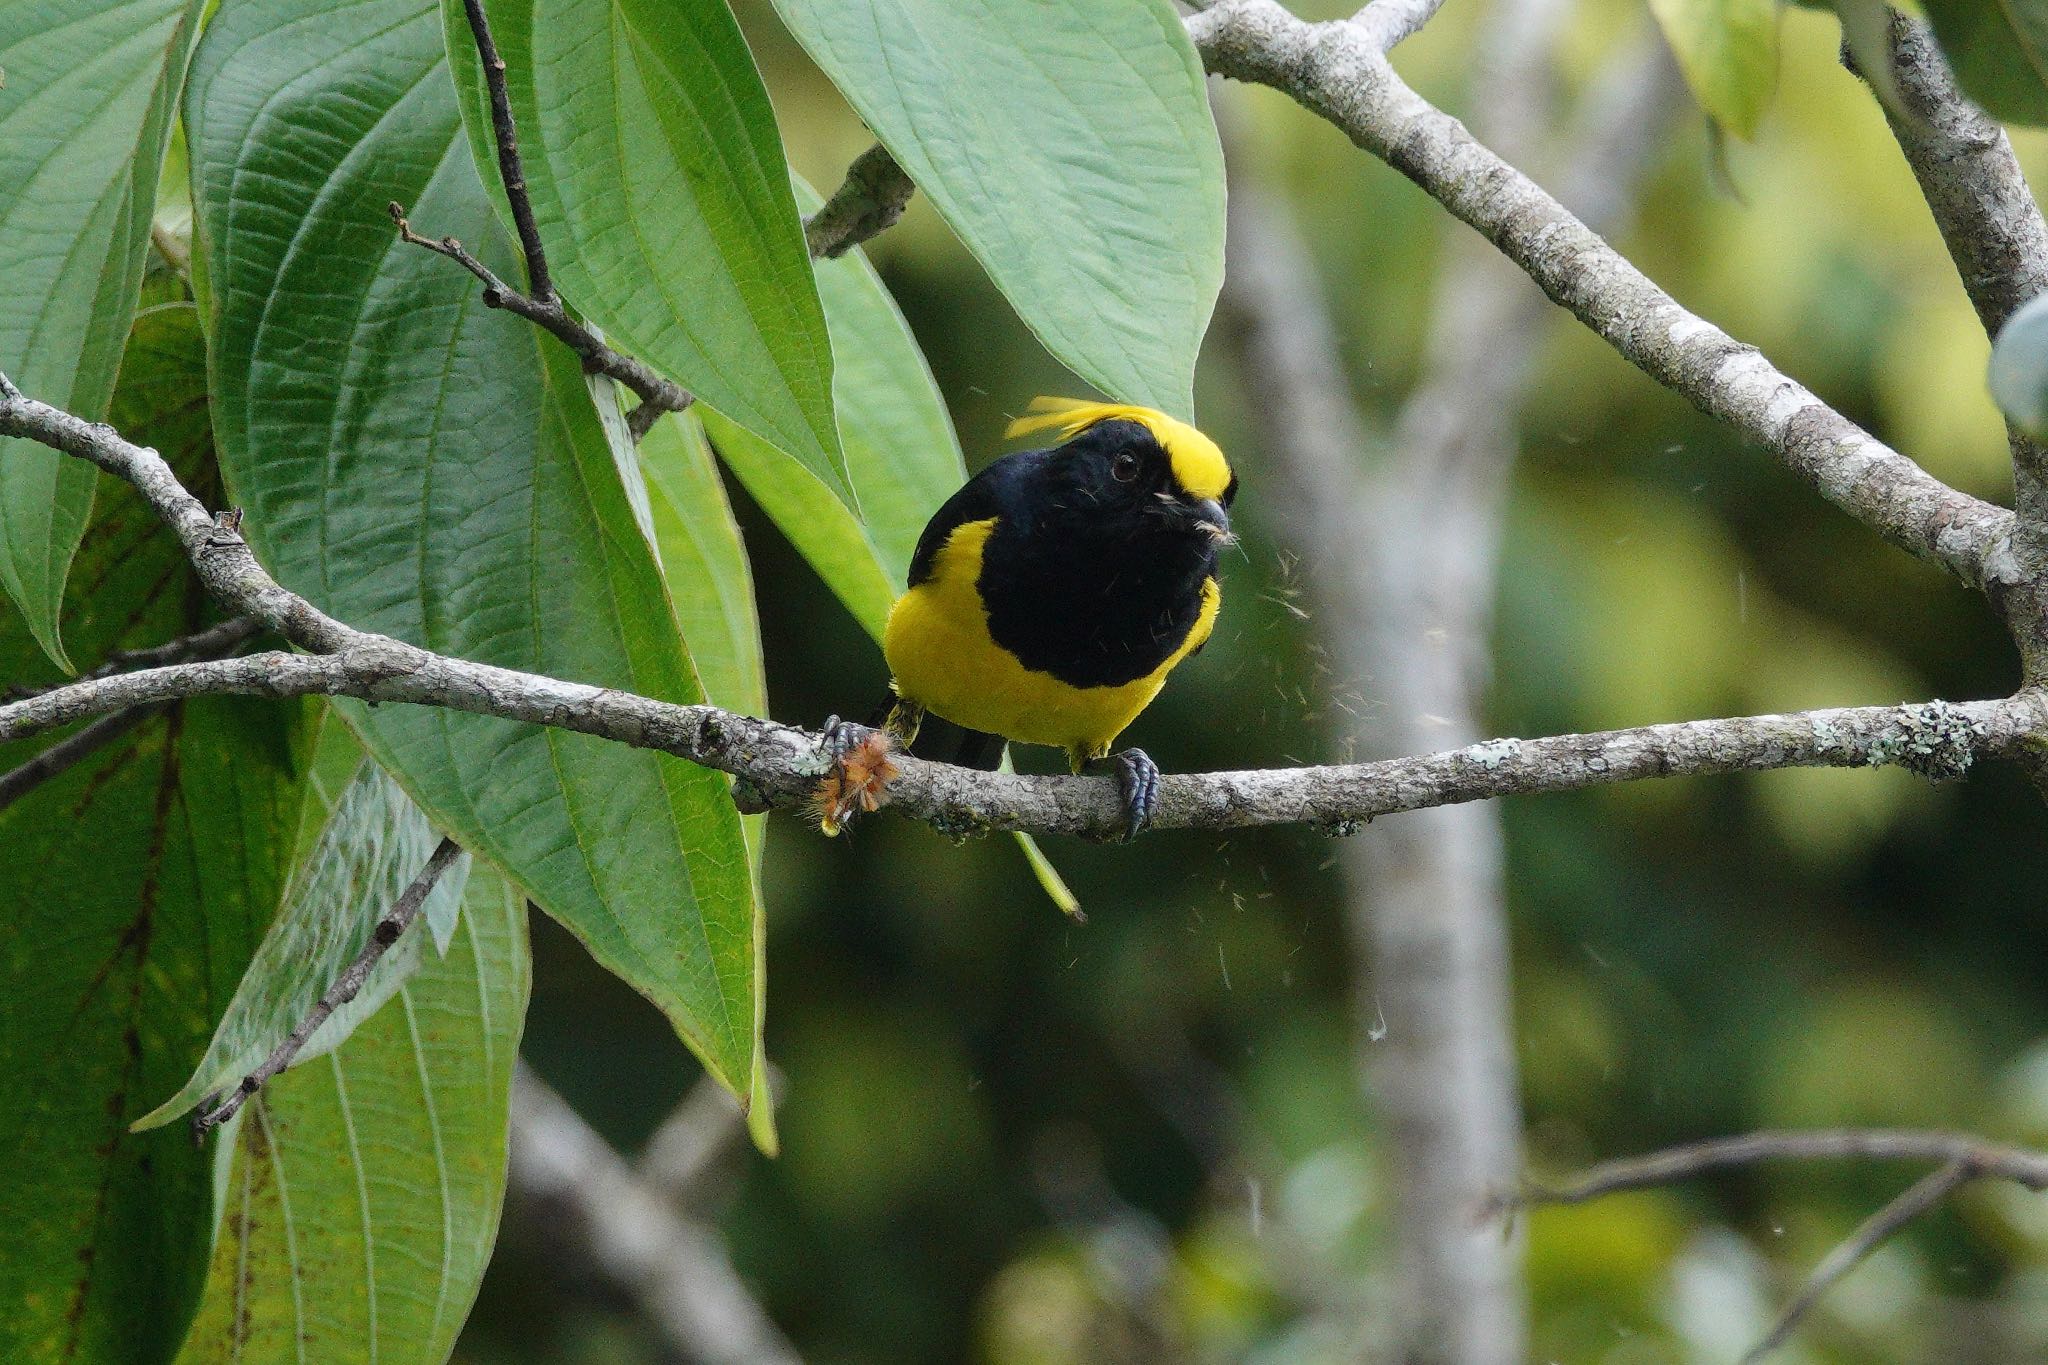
509	168
1673	1164
657	392
1962	1157
214	642
387	932
870	200
1874	1231
543	306
211	643
68	752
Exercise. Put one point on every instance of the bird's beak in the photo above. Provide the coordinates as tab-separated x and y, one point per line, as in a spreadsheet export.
1208	516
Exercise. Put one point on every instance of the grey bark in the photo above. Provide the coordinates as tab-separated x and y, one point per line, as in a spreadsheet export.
1337	70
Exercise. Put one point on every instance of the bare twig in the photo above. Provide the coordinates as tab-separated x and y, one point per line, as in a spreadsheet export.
673	1266
1995	1159
1336	70
1874	1231
1962	1158
658	394
871	200
212	643
542	307
510	171
387	931
1994	231
68	752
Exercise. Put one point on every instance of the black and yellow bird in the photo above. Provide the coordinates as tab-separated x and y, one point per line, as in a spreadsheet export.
1052	594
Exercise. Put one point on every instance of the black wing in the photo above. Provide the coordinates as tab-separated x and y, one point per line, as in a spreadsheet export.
988	494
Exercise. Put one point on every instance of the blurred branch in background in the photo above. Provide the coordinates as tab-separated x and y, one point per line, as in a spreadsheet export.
1403	557
1339	71
631	1226
1963	1158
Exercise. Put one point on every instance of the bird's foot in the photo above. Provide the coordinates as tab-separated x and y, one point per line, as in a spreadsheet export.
858	780
1137	776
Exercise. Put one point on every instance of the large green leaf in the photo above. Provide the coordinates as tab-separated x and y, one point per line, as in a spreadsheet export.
371	845
84	111
658	181
1728	50
712	585
363	1197
419	464
133	890
1999	52
1069	144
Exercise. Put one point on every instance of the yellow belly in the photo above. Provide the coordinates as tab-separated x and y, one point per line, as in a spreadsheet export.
942	657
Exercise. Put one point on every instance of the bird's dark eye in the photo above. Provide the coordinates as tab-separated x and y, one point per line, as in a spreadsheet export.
1124	467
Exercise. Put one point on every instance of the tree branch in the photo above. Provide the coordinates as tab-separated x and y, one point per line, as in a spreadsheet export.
1970	178
1994	231
675	1267
782	764
70	751
510	171
870	201
1961	1157
387	931
1387	23
1873	1232
1336	70
1673	1164
658	394
210	643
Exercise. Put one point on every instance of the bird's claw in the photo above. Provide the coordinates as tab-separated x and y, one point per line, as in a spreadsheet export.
1137	776
837	738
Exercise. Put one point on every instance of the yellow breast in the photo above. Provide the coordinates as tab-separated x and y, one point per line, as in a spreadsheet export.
942	656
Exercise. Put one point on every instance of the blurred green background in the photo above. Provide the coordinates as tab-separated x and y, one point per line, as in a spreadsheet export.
1014	1139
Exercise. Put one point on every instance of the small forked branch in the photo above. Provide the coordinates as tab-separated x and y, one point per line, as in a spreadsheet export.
345	988
871	199
215	642
1962	1157
1922	1195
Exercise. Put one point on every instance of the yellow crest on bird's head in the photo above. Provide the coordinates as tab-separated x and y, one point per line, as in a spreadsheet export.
1198	463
